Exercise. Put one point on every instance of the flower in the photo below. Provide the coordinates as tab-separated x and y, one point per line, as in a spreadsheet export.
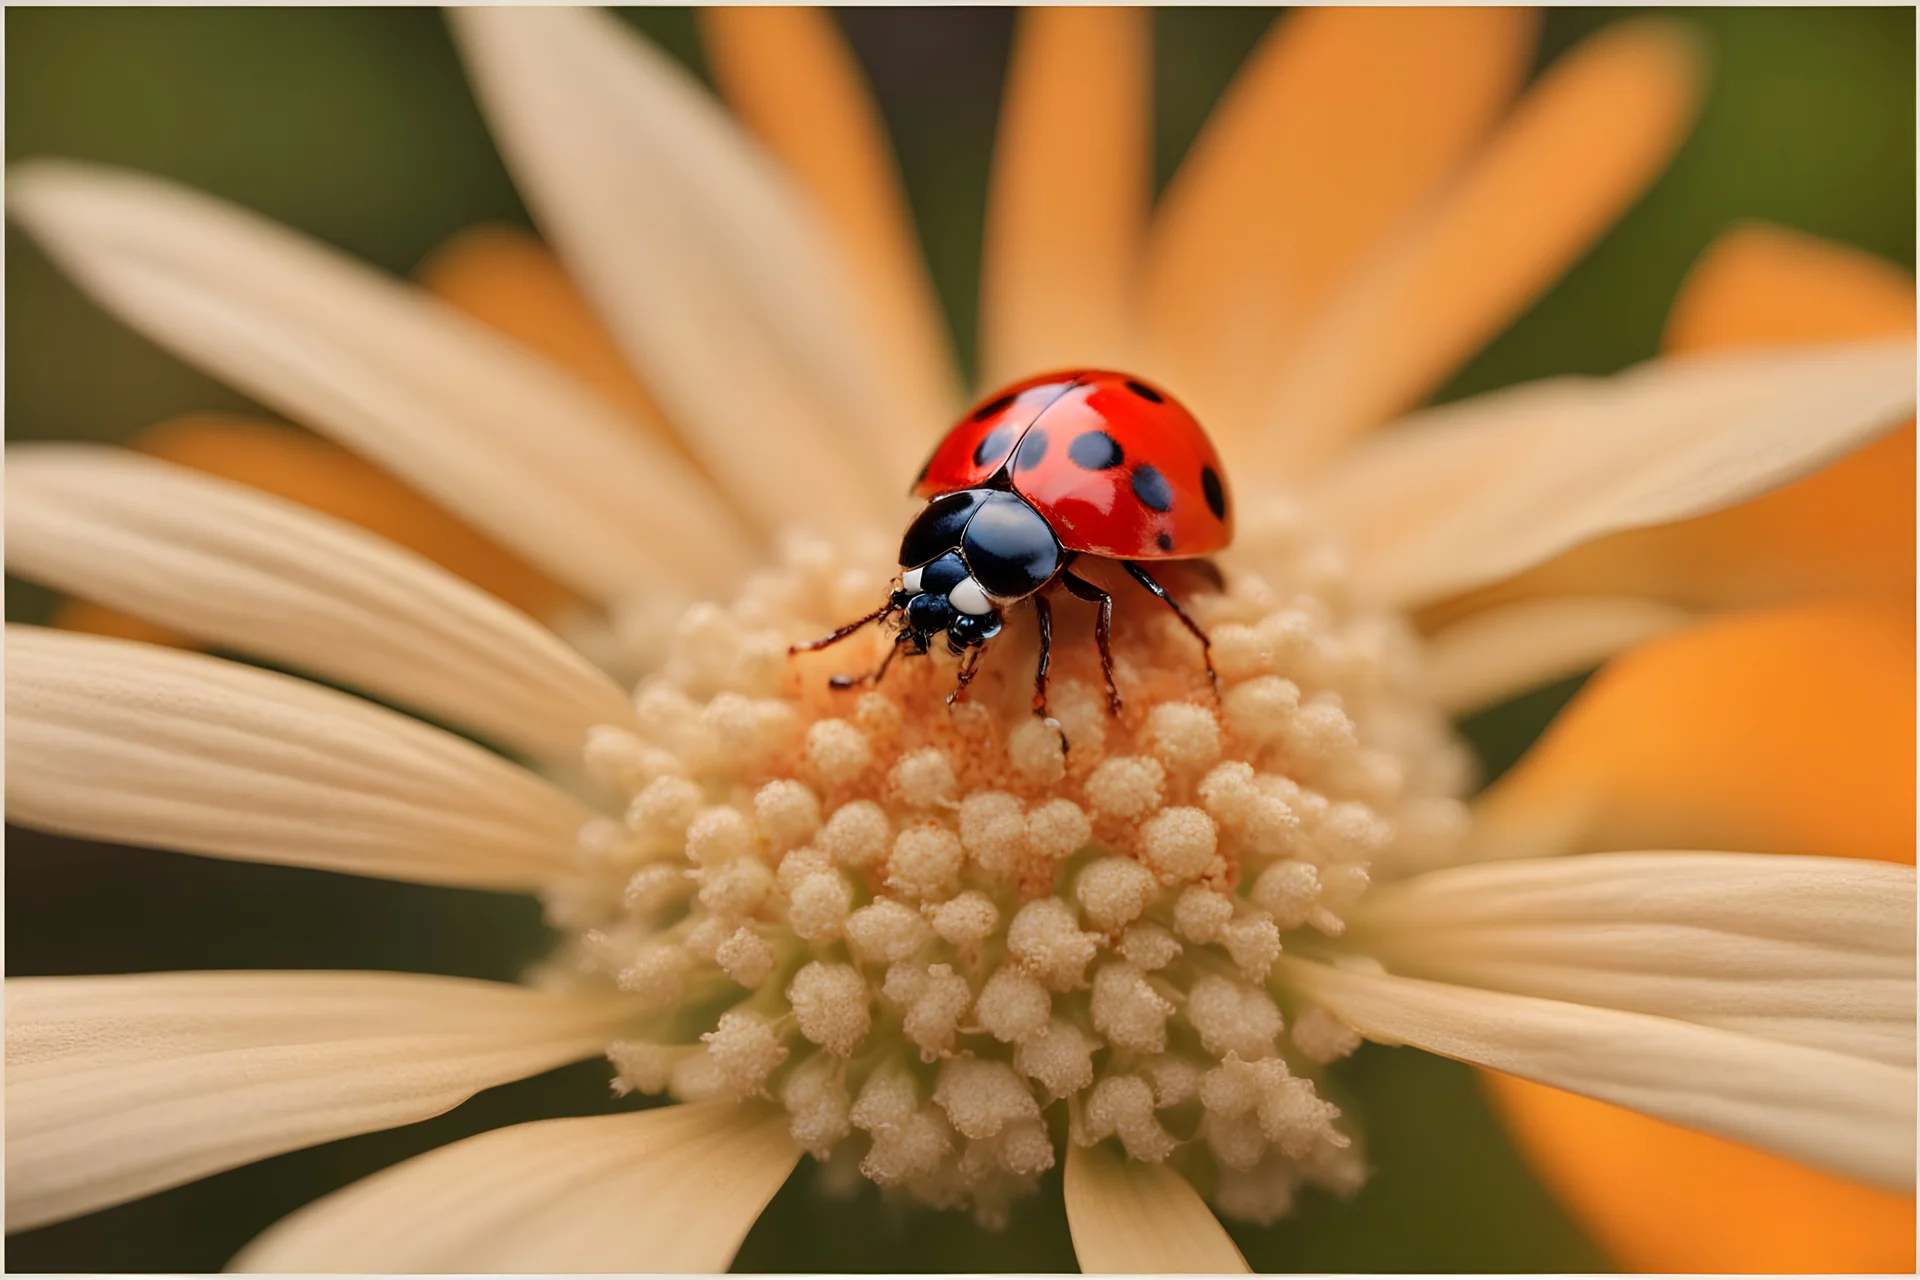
945	947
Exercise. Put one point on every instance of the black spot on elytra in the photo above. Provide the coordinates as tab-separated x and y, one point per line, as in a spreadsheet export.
1145	392
992	407
1165	541
1151	487
1216	496
1033	449
993	446
1095	451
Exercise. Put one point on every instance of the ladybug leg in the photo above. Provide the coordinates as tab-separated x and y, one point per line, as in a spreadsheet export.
1145	579
1043	612
1102	631
837	636
968	665
879	672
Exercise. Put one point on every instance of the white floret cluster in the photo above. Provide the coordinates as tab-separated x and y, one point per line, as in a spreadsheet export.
950	939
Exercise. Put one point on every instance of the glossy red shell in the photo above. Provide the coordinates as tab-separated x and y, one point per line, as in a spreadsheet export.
1117	466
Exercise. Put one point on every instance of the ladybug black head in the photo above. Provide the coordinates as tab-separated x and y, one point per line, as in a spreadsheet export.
966	553
942	596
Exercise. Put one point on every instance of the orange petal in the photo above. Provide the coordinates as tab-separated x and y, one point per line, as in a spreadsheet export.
1846	530
321	475
1343	121
790	78
1789	731
1661	1198
1589	136
1068	200
97	619
1759	286
1792	732
506	279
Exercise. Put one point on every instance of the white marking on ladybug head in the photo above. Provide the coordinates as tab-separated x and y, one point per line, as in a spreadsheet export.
910	581
967	597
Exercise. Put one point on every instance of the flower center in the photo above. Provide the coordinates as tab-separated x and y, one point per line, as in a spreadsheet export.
949	937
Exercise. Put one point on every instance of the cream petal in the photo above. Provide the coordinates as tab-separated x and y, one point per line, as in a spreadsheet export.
1502	651
791	78
1577	150
112	740
1132	1218
1851	1115
497	434
671	1189
239	568
121	1086
1468	493
1812	951
1067	205
725	291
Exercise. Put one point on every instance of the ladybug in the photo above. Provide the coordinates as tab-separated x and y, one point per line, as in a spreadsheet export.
1081	463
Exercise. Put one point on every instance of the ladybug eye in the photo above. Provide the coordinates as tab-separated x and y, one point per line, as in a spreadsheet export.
971	629
929	614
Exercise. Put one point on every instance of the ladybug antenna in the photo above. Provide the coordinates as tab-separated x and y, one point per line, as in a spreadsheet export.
836	637
878	673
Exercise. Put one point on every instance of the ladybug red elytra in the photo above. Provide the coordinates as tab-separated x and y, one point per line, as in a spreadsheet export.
1086	462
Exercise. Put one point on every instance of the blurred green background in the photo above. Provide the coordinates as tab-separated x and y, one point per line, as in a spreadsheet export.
355	125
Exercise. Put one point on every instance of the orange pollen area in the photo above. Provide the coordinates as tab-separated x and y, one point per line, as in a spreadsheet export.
949	938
